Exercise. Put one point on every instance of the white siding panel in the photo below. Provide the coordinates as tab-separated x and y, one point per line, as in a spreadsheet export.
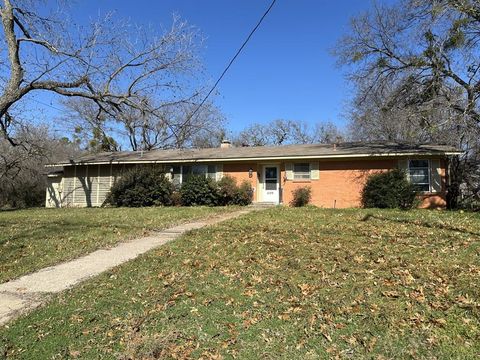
83	186
104	180
92	181
67	196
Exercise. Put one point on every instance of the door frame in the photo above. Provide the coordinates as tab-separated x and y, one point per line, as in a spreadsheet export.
264	183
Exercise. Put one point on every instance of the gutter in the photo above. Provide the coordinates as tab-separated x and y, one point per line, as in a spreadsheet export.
295	157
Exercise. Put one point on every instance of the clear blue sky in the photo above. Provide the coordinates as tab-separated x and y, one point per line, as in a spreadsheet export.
286	70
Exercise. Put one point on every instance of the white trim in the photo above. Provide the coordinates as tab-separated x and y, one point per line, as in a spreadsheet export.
296	157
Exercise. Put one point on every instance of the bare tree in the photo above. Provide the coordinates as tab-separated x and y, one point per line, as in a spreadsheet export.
139	130
205	129
22	172
91	130
416	67
114	65
432	46
327	133
283	132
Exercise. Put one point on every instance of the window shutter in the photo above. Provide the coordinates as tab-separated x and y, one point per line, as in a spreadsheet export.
435	176
403	165
166	171
219	171
212	172
314	171
176	177
289	171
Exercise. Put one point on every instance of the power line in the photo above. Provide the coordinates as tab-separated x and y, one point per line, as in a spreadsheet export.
223	72
42	103
232	60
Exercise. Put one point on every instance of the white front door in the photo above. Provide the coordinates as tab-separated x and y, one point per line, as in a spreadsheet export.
271	182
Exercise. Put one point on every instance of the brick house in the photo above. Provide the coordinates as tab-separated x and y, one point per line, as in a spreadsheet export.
336	173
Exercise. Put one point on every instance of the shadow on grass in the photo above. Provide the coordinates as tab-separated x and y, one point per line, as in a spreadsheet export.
420	223
64	227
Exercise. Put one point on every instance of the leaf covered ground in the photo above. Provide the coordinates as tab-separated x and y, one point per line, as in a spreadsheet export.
36	238
282	283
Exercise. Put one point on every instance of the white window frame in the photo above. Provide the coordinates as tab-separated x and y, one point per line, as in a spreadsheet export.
428	167
298	176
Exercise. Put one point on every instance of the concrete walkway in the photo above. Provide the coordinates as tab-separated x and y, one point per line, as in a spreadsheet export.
30	291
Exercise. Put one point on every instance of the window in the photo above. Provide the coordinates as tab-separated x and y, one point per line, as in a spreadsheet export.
196	170
301	171
271	178
419	174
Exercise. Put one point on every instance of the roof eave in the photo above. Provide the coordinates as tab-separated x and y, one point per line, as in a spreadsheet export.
261	158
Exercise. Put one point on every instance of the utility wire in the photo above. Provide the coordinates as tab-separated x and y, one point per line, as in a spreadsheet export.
221	75
232	60
45	104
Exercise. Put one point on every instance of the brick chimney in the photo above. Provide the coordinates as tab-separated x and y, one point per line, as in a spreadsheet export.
226	144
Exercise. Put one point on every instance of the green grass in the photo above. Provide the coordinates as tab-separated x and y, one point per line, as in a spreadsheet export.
33	239
283	283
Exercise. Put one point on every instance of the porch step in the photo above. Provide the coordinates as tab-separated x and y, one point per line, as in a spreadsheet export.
263	204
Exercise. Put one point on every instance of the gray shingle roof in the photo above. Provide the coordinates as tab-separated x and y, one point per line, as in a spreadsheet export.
342	150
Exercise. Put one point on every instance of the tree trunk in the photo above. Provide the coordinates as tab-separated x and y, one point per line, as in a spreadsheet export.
453	184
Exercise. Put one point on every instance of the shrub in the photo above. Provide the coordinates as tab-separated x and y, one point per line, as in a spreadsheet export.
141	187
199	190
389	190
231	194
176	198
244	194
227	190
301	196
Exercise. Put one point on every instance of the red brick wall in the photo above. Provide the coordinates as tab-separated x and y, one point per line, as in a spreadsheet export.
340	182
239	171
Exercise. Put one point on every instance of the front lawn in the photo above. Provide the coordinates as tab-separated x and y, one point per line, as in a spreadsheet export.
281	283
33	239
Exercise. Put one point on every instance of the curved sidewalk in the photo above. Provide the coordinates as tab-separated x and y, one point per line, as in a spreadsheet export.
29	291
